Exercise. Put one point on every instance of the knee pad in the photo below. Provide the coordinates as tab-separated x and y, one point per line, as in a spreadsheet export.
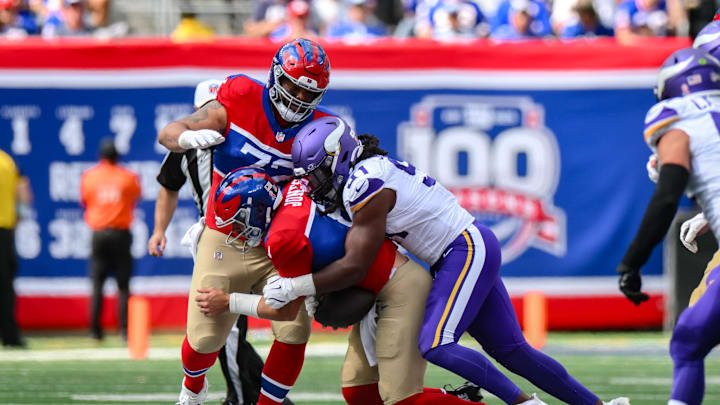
293	334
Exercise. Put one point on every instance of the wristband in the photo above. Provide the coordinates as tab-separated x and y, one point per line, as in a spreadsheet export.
303	286
244	304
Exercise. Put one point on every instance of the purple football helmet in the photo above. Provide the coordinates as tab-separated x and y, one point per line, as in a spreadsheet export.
688	70
709	39
324	151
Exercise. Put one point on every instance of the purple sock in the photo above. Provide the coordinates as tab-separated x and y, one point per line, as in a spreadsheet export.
688	381
474	367
547	374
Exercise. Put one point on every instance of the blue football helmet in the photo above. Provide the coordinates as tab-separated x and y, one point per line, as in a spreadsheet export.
688	70
246	199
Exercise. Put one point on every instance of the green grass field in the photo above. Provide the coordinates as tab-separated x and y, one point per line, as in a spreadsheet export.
71	369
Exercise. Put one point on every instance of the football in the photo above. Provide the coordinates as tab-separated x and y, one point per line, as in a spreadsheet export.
343	308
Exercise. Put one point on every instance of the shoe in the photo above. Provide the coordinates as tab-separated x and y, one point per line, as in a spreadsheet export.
618	401
188	397
534	400
96	335
467	391
15	343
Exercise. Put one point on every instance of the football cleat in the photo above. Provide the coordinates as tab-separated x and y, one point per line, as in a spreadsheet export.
618	401
467	391
534	400
188	397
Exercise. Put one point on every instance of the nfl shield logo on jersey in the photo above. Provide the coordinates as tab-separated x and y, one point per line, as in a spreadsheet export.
496	156
280	136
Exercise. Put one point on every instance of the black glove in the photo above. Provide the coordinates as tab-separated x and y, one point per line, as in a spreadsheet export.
630	284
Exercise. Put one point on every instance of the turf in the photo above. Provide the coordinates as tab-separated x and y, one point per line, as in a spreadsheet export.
610	364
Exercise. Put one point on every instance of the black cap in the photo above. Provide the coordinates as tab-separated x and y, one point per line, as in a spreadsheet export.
107	149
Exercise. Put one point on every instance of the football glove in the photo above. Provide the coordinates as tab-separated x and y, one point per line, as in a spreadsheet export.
652	167
311	304
278	292
690	229
631	283
200	139
344	308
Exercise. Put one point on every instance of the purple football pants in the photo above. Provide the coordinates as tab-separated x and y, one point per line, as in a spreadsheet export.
695	334
468	295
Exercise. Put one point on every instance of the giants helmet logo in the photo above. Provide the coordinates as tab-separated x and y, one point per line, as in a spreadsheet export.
496	156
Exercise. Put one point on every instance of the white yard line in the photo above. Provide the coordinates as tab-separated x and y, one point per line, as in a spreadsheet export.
313	350
213	396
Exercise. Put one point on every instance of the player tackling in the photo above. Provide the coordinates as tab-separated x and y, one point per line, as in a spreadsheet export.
389	197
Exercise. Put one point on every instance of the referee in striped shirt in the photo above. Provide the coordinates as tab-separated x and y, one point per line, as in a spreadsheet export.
242	372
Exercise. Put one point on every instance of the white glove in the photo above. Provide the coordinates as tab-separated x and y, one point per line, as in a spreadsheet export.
200	139
311	304
652	168
690	230
278	292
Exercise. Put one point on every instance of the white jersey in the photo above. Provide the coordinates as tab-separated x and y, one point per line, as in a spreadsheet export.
426	217
698	115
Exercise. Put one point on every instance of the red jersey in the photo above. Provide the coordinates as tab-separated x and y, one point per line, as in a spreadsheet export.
253	136
301	241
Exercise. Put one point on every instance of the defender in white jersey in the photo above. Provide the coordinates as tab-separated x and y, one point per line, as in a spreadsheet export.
386	197
683	129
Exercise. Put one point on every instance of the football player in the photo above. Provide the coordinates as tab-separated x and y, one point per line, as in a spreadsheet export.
389	197
240	363
300	241
250	124
683	129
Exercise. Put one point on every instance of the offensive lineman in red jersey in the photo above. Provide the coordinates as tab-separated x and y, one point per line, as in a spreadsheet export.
249	125
301	240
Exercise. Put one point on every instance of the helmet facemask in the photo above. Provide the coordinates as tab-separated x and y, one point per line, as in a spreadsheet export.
323	190
248	223
289	107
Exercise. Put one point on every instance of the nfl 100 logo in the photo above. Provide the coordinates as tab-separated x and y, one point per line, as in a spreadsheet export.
496	156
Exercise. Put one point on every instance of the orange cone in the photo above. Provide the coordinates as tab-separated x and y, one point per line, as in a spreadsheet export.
138	327
535	318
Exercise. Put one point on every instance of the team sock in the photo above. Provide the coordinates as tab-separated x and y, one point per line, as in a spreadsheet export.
688	381
195	366
431	398
547	374
282	368
362	395
474	367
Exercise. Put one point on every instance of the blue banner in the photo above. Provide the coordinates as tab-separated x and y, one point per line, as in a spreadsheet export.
558	174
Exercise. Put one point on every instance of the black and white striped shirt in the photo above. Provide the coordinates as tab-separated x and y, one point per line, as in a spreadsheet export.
195	164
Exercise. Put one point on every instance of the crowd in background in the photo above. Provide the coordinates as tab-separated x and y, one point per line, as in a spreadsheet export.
361	19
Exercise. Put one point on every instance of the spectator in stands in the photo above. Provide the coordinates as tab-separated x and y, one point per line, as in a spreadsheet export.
536	18
98	11
16	21
407	25
297	24
14	194
68	22
190	28
587	23
266	18
641	18
358	22
447	19
526	19
109	194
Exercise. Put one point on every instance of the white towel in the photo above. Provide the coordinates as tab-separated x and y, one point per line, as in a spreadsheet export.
368	329
192	236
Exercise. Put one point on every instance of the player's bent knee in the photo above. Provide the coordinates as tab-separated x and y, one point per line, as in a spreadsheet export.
292	334
685	342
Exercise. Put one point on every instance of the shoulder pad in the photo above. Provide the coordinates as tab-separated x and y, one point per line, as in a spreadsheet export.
365	182
658	120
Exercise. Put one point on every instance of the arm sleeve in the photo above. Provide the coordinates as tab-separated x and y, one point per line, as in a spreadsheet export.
171	175
658	215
